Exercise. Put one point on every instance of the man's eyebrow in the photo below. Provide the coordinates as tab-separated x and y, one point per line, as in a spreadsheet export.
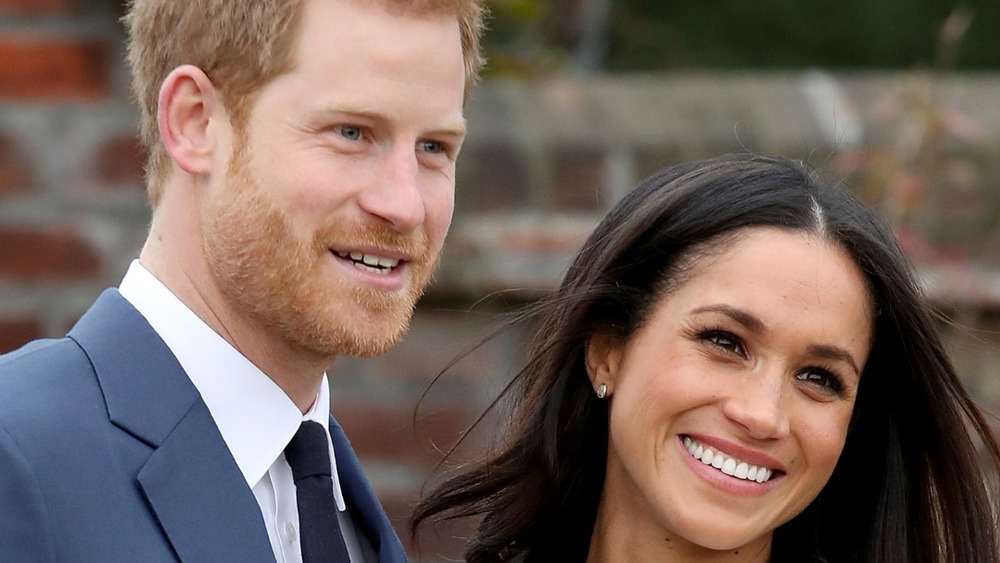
451	127
455	129
745	318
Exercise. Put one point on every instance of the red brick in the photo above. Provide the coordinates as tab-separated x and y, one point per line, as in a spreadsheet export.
34	7
497	177
579	179
35	68
435	338
16	333
387	433
120	161
17	173
38	255
445	541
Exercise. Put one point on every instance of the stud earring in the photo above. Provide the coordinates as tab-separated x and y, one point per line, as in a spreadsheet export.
602	391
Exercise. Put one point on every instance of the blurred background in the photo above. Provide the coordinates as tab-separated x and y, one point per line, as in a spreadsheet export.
899	100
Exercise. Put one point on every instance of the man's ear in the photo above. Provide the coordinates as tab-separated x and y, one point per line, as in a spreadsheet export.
187	105
603	358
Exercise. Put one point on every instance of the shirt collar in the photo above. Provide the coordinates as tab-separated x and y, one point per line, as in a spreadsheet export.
255	417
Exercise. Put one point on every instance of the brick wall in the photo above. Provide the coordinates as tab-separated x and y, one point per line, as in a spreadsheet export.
543	161
71	194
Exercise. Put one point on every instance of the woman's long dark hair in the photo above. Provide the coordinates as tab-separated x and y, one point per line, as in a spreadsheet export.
917	477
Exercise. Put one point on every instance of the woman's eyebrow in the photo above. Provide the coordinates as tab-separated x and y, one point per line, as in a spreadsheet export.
834	353
755	324
741	316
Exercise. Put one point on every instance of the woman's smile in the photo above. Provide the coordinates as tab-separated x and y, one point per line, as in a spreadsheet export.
729	465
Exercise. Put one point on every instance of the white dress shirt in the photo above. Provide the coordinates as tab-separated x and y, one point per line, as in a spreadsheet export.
254	416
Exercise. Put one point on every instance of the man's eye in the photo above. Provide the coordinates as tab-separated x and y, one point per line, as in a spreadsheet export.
431	147
350	132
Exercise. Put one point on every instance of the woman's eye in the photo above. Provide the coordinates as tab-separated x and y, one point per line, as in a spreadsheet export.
821	378
724	340
350	132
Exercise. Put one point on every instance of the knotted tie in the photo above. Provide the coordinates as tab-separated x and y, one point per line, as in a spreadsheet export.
309	457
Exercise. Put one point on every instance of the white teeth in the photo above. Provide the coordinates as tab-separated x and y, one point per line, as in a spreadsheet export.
728	465
742	469
371	262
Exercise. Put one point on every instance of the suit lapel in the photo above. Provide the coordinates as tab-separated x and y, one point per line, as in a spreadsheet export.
191	481
362	500
200	497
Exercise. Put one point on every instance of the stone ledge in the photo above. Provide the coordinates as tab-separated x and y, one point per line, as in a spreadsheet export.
544	160
695	111
527	255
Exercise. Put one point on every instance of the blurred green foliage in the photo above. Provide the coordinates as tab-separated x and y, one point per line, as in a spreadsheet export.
541	36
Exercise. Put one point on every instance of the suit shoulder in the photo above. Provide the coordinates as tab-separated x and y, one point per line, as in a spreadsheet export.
41	357
43	378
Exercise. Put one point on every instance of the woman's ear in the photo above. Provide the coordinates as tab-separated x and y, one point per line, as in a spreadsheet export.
187	104
603	359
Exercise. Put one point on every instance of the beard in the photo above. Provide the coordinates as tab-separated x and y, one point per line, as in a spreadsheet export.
289	285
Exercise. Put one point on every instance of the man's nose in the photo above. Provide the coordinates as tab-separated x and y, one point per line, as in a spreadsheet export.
394	195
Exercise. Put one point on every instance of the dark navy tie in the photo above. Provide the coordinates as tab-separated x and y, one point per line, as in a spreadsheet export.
309	457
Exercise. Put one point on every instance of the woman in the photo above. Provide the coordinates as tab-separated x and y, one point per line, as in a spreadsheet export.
738	366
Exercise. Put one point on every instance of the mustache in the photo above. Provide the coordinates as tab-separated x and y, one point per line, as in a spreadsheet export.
368	234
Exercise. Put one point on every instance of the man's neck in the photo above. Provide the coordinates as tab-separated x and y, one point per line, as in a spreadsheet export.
298	373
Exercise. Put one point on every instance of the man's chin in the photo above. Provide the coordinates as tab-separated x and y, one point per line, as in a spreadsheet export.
356	341
353	323
371	350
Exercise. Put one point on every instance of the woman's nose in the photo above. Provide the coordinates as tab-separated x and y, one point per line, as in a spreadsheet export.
759	406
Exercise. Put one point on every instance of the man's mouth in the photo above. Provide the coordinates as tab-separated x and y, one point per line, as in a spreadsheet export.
728	465
370	262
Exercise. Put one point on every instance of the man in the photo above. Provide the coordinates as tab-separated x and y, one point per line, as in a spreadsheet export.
301	173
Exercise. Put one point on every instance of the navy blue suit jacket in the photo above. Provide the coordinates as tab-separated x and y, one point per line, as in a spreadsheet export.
108	454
